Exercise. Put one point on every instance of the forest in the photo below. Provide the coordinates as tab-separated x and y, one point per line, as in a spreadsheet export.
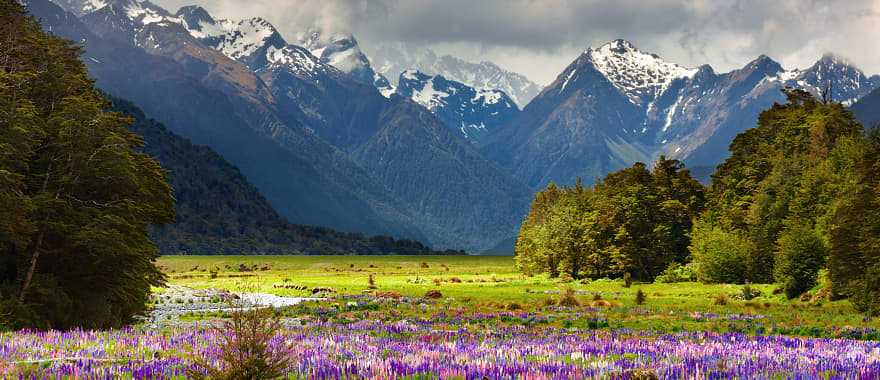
797	199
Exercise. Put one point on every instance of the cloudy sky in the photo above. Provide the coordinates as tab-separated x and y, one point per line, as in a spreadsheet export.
540	37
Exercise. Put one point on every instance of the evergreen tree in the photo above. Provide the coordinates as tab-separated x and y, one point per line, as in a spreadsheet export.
74	243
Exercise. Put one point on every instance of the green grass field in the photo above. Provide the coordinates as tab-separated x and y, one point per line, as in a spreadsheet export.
491	283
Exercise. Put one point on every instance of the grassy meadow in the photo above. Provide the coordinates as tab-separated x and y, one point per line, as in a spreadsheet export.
474	284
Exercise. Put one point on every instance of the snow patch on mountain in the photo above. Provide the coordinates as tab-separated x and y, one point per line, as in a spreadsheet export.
342	51
642	77
393	59
80	7
245	37
470	111
297	59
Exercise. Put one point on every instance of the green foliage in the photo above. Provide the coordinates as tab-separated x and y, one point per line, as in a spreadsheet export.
788	171
801	191
748	293
865	291
676	273
634	221
801	254
854	263
77	195
245	348
641	297
720	257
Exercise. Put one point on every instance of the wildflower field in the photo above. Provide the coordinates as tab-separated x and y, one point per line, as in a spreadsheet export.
483	320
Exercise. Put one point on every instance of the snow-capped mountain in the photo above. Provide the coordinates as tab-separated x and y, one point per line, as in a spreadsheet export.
247	40
615	105
123	20
846	82
642	77
469	111
710	109
343	52
393	59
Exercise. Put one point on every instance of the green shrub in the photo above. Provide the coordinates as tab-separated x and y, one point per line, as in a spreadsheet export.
720	256
640	297
866	292
748	293
800	256
676	272
244	349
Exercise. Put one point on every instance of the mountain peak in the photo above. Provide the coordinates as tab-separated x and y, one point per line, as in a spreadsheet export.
763	60
765	65
831	60
618	46
195	16
641	76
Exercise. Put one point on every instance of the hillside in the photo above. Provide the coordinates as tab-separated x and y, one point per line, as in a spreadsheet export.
220	212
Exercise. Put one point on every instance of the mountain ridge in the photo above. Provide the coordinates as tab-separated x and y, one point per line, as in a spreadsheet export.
615	105
293	105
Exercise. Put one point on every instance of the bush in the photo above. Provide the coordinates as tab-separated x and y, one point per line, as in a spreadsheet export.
640	297
676	273
749	294
800	256
720	256
244	347
720	299
569	298
433	294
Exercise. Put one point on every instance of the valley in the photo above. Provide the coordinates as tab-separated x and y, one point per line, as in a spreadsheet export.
438	190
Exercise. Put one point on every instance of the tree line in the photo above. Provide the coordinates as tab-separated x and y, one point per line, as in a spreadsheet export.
797	195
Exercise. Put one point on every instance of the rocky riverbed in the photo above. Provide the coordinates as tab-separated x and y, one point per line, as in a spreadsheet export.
176	301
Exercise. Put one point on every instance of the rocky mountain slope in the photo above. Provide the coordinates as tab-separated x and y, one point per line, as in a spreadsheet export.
867	109
220	212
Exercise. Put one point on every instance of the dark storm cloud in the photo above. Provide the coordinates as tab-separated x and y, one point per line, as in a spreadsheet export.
724	33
